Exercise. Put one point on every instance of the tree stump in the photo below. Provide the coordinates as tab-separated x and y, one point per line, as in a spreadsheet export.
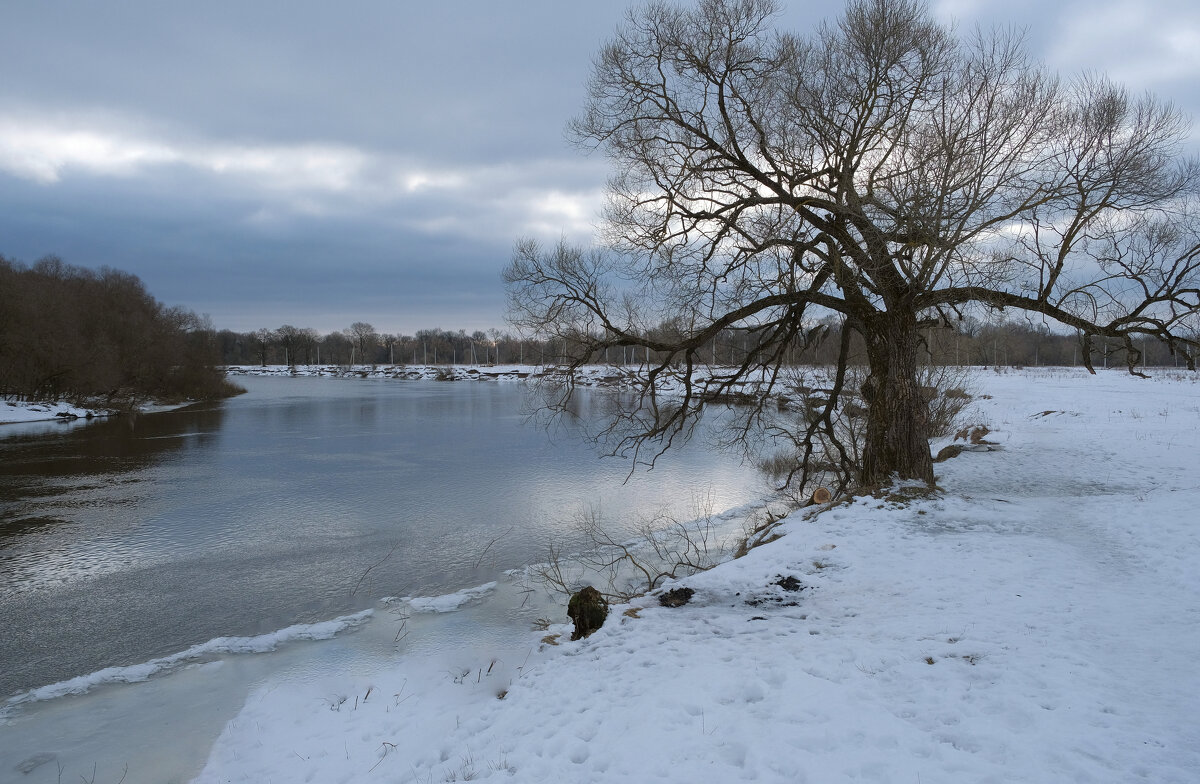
587	609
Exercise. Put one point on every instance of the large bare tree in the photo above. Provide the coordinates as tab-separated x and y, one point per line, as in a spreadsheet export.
885	169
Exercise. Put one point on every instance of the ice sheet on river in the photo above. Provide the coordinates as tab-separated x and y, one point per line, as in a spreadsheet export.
134	673
446	602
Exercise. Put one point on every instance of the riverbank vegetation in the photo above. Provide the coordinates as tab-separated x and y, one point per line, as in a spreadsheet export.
97	336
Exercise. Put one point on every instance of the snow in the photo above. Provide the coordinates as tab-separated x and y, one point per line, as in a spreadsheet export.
135	673
446	602
1034	620
30	417
630	377
510	372
12	412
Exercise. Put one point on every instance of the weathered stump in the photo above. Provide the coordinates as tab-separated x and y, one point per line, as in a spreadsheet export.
588	609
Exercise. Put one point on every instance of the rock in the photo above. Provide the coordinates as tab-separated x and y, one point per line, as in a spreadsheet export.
588	609
676	597
947	452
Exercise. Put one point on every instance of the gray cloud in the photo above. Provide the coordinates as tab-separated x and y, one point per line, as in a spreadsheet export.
311	164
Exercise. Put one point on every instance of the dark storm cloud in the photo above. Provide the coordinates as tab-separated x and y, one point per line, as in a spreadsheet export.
317	164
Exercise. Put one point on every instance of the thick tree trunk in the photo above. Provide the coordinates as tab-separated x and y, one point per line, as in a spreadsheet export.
897	442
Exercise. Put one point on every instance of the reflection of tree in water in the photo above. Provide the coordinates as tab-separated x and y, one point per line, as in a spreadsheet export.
38	472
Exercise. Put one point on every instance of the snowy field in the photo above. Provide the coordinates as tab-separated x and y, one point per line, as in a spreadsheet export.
1036	620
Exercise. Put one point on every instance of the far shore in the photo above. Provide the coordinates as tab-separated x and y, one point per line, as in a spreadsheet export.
628	377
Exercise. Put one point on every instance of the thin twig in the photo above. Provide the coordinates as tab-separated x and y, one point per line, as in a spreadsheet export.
363	576
495	539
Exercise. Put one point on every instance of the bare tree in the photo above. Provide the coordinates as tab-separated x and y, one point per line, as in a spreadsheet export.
263	340
365	339
290	339
309	341
882	170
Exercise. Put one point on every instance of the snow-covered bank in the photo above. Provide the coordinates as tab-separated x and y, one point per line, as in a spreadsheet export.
13	412
591	375
31	413
605	376
1036	620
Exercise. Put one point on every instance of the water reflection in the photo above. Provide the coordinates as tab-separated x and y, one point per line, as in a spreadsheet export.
125	540
103	446
57	477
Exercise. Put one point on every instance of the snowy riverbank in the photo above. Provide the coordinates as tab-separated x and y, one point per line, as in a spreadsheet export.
14	412
628	377
1033	621
611	376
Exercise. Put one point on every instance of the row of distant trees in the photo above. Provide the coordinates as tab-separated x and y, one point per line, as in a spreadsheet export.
970	342
1004	344
72	333
362	344
76	333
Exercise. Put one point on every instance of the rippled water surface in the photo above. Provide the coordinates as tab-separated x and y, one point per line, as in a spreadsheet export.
303	500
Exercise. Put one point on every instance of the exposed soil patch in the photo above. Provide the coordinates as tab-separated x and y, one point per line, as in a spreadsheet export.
676	597
789	583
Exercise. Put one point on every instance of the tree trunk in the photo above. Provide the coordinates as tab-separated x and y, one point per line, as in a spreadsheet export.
897	442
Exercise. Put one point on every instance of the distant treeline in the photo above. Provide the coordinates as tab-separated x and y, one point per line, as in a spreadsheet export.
361	344
971	342
97	336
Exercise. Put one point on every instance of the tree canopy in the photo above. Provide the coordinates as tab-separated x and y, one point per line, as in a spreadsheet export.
74	333
885	170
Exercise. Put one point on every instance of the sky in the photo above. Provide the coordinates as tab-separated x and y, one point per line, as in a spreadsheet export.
318	164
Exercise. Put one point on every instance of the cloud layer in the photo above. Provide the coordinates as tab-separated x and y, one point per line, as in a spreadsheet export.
375	161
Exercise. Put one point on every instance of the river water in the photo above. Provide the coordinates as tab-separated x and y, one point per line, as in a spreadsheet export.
306	500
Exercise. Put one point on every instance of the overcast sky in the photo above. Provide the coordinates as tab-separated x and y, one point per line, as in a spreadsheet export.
314	163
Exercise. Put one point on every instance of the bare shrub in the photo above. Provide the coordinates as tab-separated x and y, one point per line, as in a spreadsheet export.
818	439
953	392
663	547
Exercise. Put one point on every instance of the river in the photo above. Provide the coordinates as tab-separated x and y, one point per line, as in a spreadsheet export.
306	500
